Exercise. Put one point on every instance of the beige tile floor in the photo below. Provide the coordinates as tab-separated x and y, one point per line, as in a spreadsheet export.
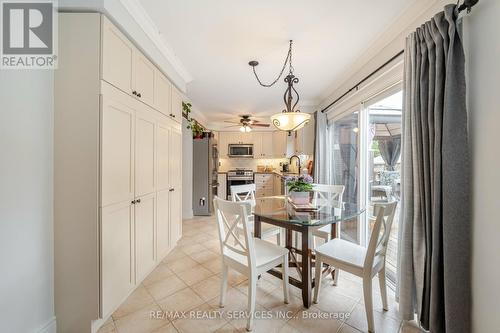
182	295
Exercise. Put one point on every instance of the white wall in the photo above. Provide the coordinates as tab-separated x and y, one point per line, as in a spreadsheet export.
187	171
482	27
26	224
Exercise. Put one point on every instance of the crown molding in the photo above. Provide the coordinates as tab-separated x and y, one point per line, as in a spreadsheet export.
139	14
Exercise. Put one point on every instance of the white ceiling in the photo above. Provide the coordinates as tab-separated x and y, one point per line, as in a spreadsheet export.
214	40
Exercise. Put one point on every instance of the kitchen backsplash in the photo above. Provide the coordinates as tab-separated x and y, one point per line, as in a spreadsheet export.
251	163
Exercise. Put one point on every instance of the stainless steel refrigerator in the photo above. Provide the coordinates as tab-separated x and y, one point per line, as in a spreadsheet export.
205	168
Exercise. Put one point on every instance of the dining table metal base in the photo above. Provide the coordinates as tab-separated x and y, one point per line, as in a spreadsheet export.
305	264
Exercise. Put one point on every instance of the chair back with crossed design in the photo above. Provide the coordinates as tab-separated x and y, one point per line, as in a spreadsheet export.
231	216
243	193
328	195
377	247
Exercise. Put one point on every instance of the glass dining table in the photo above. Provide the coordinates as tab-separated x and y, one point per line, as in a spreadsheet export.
278	211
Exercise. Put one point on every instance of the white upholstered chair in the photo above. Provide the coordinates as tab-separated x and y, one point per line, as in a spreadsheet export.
248	255
361	261
247	193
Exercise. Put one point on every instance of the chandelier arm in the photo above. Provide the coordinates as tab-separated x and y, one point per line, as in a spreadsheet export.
298	98
287	59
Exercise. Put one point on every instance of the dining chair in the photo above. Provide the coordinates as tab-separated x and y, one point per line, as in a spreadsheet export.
248	255
360	261
332	195
247	193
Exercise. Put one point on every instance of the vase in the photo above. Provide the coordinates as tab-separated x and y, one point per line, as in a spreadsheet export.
300	198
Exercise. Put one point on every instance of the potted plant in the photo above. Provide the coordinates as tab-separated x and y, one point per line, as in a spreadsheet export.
299	189
197	130
193	125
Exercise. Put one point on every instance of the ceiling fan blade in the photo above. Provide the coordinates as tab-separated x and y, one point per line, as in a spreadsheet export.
231	122
261	125
253	121
231	126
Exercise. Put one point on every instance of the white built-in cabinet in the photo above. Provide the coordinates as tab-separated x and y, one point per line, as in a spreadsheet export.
118	172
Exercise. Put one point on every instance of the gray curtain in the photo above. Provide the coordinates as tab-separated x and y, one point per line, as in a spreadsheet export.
390	150
322	154
435	232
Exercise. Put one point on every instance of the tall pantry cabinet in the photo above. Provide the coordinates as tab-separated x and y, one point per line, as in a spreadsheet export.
117	177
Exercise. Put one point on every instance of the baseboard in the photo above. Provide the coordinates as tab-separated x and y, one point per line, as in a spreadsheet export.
48	327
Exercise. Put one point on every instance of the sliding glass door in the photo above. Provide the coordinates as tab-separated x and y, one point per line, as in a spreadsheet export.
345	157
383	165
366	149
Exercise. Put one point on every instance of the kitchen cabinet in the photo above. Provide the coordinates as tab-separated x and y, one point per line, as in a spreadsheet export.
304	139
263	145
222	187
117	156
143	73
117	254
162	94
264	184
175	176
277	185
176	108
280	145
117	57
144	234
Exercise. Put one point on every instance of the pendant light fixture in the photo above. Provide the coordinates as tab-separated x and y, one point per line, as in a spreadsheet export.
289	119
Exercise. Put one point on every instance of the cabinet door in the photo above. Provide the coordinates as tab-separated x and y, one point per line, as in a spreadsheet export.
162	94
117	148
266	144
257	145
175	216
117	57
246	138
176	111
163	156
175	185
145	212
162	224
117	251
145	178
144	78
280	144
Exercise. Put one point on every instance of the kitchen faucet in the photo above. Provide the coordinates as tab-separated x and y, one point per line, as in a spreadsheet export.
298	162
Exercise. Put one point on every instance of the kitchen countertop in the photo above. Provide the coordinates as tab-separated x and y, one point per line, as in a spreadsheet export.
275	172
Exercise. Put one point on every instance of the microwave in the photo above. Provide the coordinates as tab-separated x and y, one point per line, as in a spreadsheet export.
240	151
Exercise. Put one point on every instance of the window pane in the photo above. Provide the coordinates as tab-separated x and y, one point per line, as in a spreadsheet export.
345	166
384	165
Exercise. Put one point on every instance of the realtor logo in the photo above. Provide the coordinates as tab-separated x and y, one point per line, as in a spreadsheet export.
28	35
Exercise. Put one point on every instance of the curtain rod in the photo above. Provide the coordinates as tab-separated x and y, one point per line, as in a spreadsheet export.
468	4
356	86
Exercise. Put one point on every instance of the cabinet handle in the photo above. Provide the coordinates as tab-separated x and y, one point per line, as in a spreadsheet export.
134	92
171	189
138	201
133	202
139	95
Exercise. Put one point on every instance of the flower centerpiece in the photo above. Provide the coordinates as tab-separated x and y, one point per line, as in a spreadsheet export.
299	189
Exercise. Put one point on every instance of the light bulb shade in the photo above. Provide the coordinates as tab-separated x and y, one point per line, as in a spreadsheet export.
290	121
245	129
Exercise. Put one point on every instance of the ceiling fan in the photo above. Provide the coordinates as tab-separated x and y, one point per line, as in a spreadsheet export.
246	123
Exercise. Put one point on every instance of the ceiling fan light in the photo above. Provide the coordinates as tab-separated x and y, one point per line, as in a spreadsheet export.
290	121
245	129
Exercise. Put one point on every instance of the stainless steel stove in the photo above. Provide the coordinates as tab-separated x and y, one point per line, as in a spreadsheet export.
238	176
